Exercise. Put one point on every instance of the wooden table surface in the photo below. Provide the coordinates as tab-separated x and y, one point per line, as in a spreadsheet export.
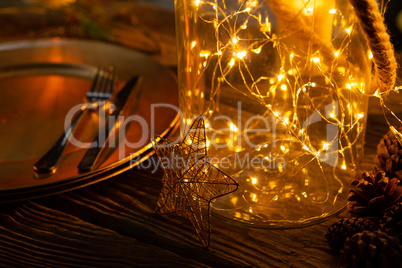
113	223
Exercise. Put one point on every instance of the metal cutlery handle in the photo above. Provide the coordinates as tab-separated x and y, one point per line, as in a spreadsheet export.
92	154
101	90
89	159
48	162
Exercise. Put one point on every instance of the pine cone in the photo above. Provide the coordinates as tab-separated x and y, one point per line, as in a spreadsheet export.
389	156
373	195
346	227
371	249
392	221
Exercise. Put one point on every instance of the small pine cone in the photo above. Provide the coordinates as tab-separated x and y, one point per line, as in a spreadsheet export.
371	249
373	195
346	227
392	221
389	156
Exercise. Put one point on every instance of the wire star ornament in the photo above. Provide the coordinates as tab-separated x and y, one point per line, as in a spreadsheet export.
190	182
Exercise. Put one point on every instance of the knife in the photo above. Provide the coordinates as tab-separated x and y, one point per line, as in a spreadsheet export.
92	154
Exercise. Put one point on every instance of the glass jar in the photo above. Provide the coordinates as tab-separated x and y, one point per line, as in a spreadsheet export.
281	87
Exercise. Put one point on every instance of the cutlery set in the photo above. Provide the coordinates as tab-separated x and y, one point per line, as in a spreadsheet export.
45	119
97	97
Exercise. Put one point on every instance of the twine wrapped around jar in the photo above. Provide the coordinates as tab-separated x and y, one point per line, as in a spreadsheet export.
372	23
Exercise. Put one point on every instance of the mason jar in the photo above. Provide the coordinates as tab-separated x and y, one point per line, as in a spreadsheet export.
281	86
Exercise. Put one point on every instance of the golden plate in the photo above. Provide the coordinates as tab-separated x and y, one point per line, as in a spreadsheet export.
41	80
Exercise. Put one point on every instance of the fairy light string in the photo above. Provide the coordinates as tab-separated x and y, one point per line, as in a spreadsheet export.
294	80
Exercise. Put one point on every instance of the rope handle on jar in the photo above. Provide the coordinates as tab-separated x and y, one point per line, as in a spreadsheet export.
375	32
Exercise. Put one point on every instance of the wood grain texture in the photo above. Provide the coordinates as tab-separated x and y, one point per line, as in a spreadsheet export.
32	235
126	204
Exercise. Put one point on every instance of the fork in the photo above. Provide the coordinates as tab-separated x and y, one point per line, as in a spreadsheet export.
101	90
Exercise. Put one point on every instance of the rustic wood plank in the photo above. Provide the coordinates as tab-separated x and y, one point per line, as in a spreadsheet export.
32	235
125	204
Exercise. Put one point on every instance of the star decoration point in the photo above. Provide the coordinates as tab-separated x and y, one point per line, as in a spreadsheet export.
190	182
